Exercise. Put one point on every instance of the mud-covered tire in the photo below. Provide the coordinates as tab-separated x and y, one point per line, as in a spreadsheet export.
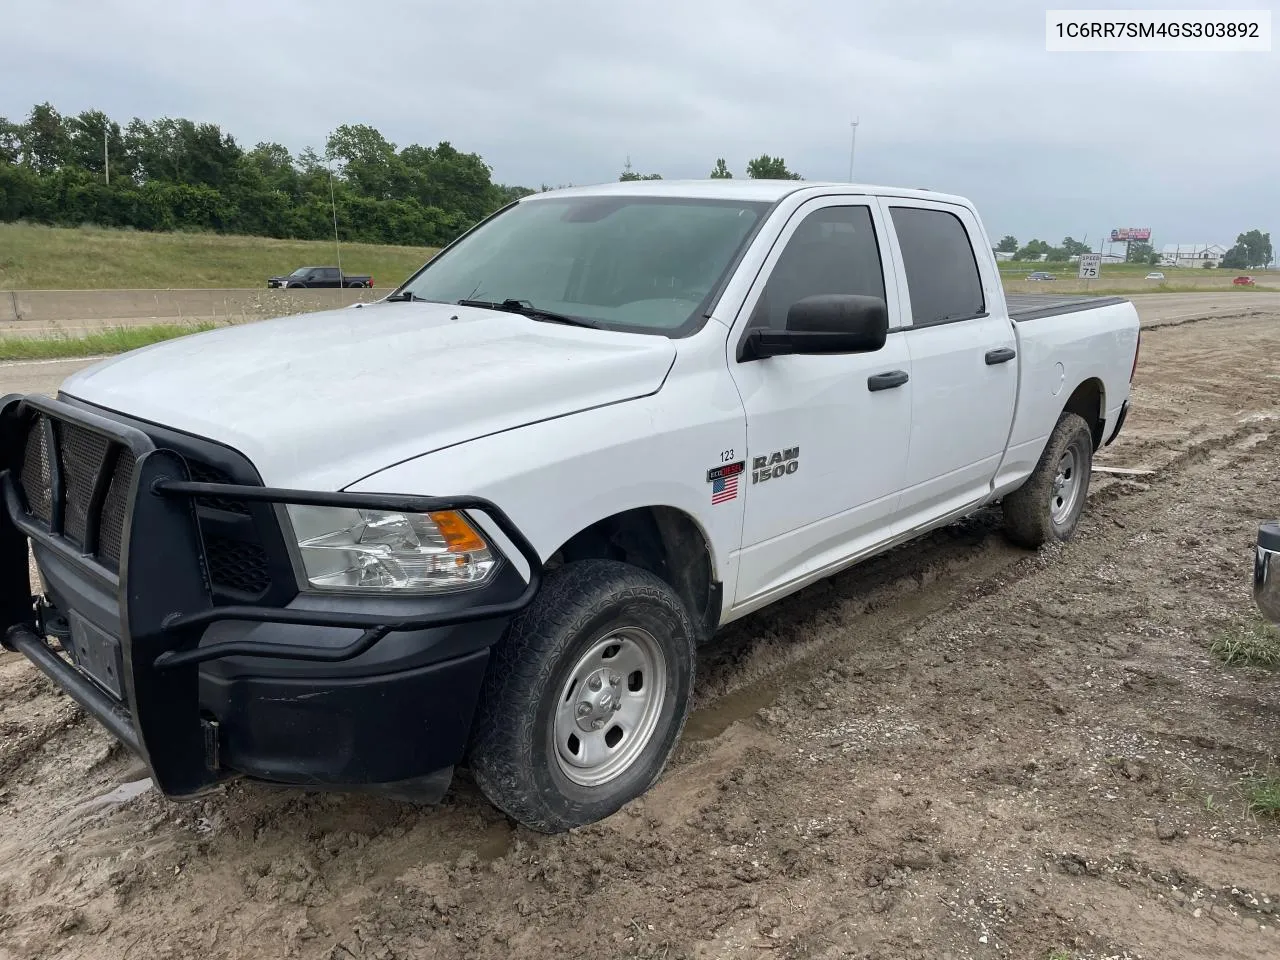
1036	513
513	751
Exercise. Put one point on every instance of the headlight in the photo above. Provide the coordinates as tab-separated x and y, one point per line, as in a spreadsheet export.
377	550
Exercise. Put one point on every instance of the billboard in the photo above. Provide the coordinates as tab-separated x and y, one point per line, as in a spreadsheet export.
1125	234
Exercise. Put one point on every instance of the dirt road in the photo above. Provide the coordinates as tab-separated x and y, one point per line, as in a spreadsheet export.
957	750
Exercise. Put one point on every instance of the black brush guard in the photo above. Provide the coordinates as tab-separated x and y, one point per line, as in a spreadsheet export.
164	595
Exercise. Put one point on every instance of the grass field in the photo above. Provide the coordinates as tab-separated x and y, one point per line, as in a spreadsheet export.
110	341
34	257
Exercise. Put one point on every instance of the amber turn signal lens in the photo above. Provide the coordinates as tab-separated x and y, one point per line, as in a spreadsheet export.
458	534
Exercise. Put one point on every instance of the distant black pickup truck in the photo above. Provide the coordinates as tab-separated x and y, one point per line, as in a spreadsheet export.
320	277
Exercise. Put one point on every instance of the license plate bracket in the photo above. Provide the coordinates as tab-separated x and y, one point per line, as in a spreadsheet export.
97	654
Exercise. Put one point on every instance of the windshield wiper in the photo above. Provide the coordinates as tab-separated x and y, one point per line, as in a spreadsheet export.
527	309
405	297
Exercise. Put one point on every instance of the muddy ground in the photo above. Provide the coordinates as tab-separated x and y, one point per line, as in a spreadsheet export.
957	750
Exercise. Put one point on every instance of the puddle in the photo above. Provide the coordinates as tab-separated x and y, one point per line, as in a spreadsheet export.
121	794
707	723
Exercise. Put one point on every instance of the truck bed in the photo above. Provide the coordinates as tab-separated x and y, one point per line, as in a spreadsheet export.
1032	306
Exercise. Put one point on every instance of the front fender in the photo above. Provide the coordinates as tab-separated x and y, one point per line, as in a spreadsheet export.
560	476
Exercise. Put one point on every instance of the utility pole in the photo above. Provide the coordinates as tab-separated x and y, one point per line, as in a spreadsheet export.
333	203
106	157
853	143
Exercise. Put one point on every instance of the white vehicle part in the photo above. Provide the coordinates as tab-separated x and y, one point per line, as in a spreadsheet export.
557	477
320	400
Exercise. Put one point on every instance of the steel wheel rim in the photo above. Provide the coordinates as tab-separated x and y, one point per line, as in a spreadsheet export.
1066	486
600	727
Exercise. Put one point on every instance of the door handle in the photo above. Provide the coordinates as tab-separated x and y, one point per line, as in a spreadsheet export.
1001	355
887	381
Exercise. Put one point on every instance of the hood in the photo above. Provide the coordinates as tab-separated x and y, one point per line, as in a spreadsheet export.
321	400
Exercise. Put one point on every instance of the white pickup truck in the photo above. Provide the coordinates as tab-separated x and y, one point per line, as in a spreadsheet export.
489	519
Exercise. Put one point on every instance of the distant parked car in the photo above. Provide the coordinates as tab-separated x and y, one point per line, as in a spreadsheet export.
1155	275
320	277
1244	281
1041	275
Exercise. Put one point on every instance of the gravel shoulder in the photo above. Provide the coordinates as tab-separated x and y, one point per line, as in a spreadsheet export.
960	749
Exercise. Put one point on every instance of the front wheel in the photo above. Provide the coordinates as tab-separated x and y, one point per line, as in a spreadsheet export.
586	696
1048	506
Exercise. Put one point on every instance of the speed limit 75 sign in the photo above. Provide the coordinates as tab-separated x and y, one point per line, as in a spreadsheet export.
1090	266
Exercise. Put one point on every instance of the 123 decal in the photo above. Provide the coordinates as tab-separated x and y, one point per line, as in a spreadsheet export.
780	463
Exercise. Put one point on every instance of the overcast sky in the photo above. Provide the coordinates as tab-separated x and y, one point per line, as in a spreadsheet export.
954	96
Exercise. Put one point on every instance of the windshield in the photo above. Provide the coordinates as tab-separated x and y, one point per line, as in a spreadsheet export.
646	264
300	271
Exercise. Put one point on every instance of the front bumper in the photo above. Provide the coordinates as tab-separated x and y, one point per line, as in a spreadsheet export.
326	691
1266	571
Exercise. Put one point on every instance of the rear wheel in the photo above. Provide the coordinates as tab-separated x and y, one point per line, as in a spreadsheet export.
356	283
586	696
1048	506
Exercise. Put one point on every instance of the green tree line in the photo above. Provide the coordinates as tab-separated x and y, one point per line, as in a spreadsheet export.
1034	249
763	167
176	174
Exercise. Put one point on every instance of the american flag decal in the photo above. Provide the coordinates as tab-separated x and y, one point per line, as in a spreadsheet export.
724	481
724	488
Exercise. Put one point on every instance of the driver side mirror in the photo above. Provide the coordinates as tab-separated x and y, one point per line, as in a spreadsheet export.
826	323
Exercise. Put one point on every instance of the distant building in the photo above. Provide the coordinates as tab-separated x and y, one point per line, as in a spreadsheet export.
1002	255
1194	255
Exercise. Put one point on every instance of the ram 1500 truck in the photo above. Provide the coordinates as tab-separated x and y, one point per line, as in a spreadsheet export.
489	519
320	277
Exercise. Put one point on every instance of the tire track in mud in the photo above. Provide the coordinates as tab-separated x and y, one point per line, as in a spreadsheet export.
19	743
1204	318
33	713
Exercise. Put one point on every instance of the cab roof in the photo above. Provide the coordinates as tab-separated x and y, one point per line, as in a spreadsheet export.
769	191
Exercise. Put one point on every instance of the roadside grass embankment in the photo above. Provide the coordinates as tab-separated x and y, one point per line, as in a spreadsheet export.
37	257
108	341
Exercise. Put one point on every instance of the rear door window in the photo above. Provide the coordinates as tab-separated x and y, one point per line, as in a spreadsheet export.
942	272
